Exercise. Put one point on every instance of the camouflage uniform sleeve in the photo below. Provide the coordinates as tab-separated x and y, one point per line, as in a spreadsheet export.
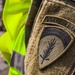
30	20
50	49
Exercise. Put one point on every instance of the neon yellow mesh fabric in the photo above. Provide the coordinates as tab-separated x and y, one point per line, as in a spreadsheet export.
15	13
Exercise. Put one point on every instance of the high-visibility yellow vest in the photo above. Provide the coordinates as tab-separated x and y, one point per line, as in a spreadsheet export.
15	13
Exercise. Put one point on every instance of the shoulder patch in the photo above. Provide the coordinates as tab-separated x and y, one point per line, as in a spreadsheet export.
50	19
54	41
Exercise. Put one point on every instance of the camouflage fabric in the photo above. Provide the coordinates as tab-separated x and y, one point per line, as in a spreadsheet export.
32	13
51	47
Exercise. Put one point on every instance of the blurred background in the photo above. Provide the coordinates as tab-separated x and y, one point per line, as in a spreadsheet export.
3	64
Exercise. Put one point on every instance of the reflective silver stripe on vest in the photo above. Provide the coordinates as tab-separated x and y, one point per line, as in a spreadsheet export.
17	61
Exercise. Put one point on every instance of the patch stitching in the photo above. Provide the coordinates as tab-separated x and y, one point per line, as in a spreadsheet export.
72	39
50	19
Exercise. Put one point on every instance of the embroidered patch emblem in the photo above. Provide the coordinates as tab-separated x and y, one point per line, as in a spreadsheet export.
54	41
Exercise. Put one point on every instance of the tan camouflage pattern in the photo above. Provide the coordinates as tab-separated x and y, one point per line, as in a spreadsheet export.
65	65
